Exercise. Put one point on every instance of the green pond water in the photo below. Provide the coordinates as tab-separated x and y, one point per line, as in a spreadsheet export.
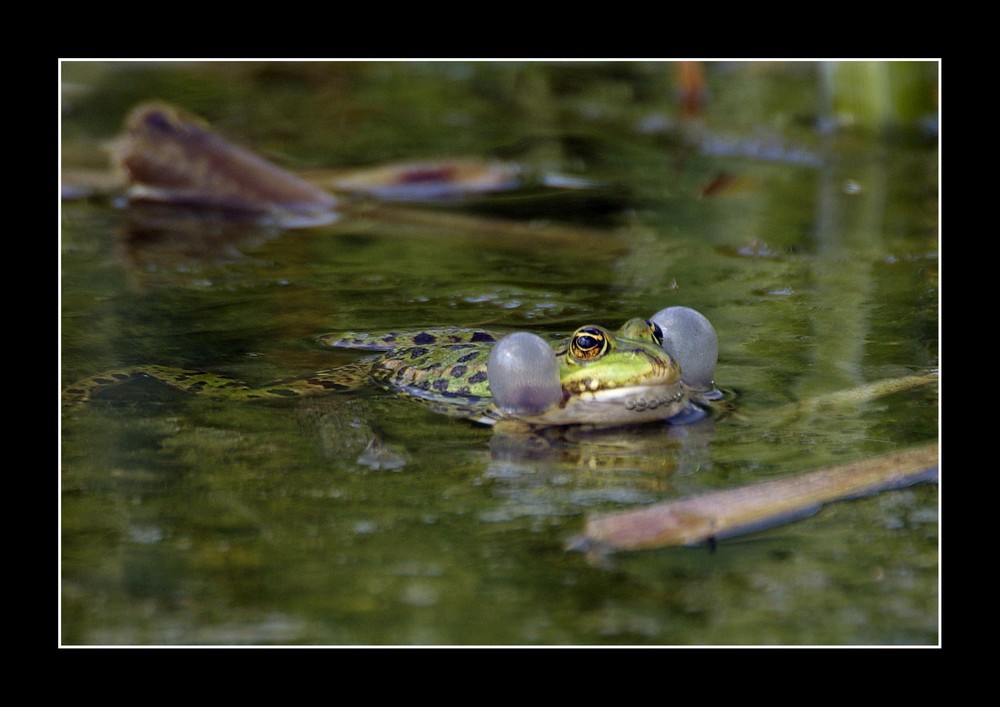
815	254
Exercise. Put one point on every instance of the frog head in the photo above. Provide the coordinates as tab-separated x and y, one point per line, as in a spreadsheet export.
596	377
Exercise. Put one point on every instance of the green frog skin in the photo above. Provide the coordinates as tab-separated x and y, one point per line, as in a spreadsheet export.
595	377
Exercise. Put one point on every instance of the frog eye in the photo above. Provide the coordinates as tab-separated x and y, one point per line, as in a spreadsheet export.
655	331
588	343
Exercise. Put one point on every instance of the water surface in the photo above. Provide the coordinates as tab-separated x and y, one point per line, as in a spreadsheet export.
194	521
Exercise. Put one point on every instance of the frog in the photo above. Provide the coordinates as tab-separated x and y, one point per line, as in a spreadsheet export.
647	370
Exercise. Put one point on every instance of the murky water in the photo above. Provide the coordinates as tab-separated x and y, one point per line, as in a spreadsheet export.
195	521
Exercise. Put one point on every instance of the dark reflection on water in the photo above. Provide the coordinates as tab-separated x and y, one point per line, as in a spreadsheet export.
360	519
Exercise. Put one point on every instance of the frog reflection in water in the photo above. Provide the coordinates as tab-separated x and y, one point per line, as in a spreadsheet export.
647	370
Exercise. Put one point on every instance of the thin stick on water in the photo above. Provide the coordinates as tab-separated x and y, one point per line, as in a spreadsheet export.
746	508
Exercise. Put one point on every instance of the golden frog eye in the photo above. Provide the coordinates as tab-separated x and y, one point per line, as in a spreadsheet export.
656	331
588	343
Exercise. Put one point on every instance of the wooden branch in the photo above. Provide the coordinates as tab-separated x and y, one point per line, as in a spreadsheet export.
748	508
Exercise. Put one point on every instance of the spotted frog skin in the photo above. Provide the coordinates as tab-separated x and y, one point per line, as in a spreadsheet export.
607	378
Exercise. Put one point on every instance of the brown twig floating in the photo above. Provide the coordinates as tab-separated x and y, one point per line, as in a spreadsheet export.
740	510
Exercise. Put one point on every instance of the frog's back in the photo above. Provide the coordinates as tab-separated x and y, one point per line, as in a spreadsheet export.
391	340
444	367
451	375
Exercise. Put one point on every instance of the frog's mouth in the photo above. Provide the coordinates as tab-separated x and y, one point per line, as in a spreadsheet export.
626	405
613	407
